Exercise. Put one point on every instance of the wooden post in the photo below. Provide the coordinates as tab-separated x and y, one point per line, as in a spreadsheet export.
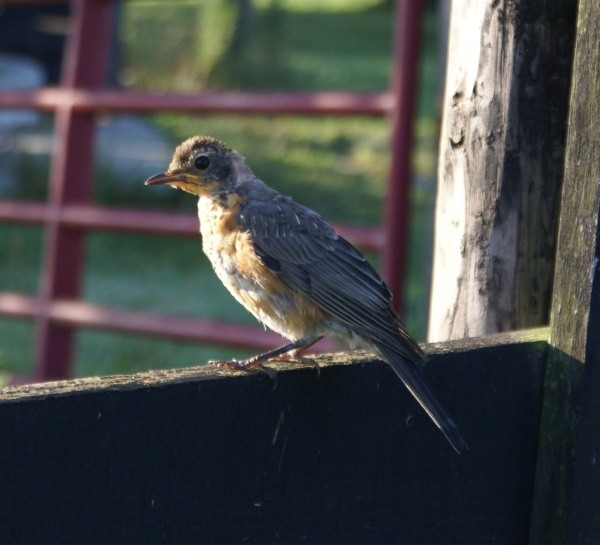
70	183
501	161
407	40
566	502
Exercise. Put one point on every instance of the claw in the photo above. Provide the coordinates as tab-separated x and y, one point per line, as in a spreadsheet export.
245	365
294	357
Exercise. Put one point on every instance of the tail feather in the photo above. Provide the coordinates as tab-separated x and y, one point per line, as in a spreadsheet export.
414	380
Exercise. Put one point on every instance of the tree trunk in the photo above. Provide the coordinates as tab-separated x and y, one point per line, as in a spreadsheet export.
500	168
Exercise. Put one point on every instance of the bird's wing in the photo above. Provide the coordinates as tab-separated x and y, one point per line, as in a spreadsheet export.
305	253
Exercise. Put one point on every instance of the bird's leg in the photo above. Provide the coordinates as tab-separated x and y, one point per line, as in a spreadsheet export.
284	353
289	351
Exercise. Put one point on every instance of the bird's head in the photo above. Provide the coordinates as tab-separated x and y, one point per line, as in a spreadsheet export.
203	166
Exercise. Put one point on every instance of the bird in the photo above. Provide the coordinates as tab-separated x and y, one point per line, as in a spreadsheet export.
289	267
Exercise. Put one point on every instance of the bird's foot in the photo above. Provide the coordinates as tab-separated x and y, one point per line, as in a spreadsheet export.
295	356
246	365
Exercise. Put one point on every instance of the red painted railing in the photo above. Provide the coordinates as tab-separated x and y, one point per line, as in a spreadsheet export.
68	214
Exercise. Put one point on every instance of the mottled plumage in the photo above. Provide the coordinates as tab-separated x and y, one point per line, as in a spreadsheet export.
289	268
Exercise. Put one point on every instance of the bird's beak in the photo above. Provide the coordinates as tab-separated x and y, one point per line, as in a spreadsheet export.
166	178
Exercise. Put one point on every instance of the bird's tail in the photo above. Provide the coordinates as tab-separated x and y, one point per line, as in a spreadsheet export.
412	376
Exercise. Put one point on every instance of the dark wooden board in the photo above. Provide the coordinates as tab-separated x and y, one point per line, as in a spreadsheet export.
567	502
582	201
346	457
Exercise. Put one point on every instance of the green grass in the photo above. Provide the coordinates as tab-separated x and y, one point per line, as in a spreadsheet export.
336	165
286	49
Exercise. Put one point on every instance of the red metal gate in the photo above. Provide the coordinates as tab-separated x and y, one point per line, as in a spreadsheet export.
69	213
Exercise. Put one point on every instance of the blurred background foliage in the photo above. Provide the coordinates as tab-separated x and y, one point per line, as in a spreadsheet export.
338	166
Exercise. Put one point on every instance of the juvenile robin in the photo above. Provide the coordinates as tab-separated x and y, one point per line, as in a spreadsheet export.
292	271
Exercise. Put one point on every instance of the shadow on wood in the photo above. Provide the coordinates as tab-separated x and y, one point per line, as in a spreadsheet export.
206	456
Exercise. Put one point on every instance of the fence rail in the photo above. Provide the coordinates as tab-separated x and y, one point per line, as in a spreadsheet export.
91	217
106	100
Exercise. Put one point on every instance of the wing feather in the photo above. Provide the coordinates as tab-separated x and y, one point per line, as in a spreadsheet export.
305	252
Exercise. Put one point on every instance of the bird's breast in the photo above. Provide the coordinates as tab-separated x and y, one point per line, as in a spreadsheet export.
231	252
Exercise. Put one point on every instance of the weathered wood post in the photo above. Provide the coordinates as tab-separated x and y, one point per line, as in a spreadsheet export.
567	500
501	165
501	160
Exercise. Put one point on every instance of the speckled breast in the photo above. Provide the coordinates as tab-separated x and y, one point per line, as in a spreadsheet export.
232	254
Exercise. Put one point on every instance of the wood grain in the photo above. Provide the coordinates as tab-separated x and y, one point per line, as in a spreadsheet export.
500	168
574	326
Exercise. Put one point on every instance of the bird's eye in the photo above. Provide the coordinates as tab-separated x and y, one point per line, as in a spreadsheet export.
202	162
